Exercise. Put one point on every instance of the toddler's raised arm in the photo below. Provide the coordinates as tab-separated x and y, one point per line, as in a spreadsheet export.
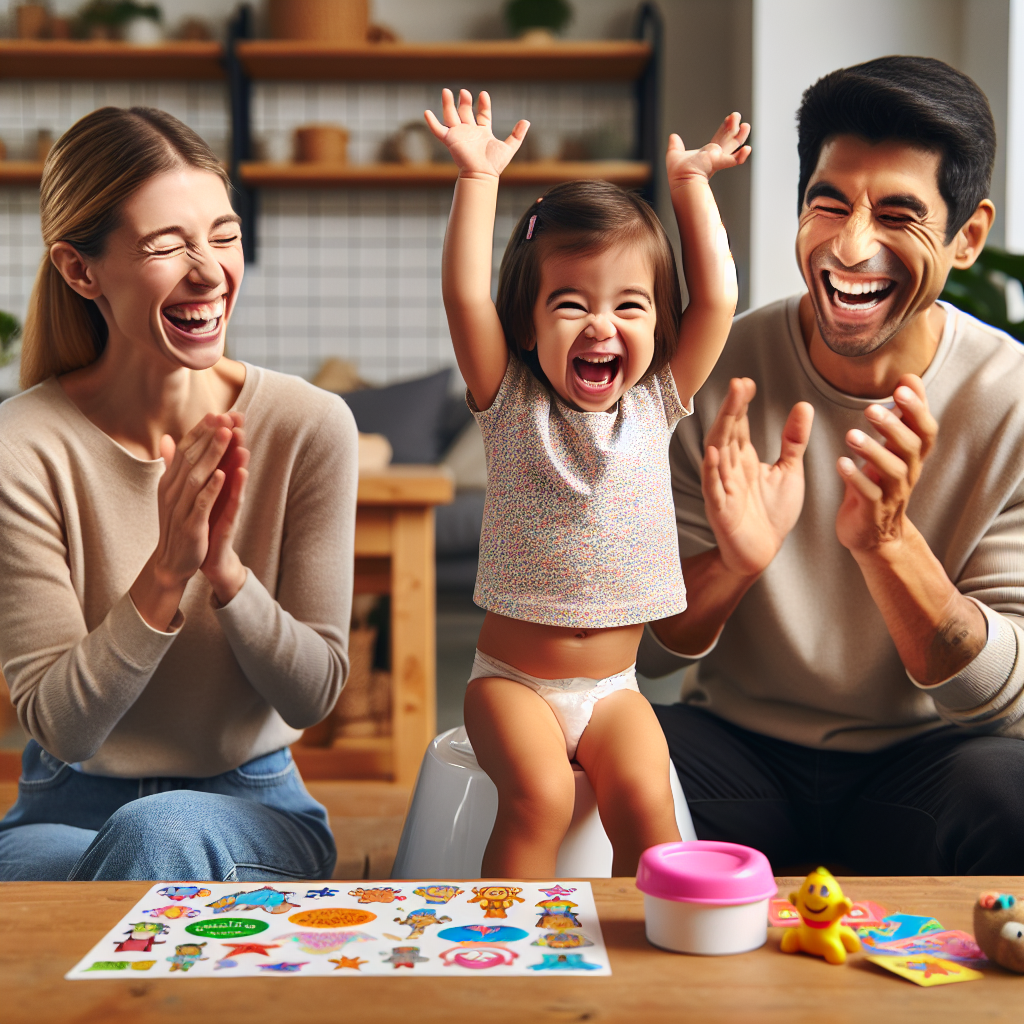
707	263
466	264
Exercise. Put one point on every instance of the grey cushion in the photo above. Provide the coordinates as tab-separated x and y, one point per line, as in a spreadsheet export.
412	415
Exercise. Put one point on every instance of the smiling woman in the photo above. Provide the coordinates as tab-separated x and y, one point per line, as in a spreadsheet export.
164	636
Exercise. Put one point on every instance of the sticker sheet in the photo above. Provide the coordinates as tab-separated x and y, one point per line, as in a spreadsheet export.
348	929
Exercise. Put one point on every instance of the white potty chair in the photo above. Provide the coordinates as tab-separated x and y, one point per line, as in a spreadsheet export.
453	810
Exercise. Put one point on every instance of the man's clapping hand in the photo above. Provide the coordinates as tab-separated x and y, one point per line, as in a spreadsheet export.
752	506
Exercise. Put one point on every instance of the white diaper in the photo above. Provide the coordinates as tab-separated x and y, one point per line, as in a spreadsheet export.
572	700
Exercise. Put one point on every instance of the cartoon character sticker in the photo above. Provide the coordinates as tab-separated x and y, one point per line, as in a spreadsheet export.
173	911
382	894
268	899
142	936
419	920
320	894
496	899
563	940
183	892
405	956
478	958
186	956
438	894
563	962
557	915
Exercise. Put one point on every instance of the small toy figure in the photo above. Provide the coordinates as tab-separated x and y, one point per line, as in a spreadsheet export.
420	920
557	915
271	900
406	956
496	899
183	892
438	893
142	937
187	955
999	929
822	906
382	894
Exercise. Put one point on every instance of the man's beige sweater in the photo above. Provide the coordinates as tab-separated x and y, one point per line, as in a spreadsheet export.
806	656
91	681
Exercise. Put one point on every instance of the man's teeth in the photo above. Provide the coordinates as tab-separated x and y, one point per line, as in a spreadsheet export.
857	287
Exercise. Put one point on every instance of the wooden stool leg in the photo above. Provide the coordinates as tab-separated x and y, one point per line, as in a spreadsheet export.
413	642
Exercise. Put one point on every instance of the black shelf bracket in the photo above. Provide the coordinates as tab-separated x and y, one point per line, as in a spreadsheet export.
649	27
240	93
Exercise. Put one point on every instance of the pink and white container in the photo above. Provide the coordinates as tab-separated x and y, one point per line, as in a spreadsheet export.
706	897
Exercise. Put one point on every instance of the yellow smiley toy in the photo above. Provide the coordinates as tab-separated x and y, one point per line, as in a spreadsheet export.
821	906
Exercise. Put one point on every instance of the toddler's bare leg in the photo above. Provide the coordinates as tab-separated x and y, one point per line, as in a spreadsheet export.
625	756
518	743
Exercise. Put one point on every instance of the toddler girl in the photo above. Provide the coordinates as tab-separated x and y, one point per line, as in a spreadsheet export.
575	378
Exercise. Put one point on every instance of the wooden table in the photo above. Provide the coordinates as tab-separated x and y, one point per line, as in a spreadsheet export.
394	554
46	927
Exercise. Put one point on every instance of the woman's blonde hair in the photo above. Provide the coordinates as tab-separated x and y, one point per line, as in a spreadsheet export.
92	170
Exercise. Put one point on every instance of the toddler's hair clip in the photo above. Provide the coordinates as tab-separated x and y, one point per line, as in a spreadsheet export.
529	230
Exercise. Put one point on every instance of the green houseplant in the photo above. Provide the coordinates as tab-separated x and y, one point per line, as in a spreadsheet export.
529	15
981	290
10	331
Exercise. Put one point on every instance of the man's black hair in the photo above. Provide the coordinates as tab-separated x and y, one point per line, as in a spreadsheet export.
918	100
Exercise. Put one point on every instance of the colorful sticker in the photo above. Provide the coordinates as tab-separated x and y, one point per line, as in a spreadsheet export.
352	962
332	917
556	891
183	892
325	942
283	967
478	958
238	948
405	956
121	965
438	893
948	945
382	894
557	915
491	934
142	936
321	894
900	926
496	899
927	970
268	899
226	928
173	911
563	940
187	955
564	962
418	921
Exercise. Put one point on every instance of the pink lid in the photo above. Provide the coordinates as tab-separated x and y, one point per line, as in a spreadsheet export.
706	872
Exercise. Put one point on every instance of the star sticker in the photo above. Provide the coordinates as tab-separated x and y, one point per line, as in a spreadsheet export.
555	891
259	948
348	961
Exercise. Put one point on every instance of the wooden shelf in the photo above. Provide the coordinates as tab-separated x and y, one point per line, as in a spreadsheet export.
20	172
285	60
628	173
189	61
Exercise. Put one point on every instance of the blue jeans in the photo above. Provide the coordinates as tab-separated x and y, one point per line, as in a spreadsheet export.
254	824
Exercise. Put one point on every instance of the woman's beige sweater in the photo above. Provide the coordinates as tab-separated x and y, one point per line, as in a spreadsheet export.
91	681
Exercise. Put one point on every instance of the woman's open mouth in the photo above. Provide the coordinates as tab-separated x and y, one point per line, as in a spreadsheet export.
196	320
858	294
597	372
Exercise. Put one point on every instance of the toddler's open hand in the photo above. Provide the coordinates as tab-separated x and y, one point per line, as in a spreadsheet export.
726	149
469	139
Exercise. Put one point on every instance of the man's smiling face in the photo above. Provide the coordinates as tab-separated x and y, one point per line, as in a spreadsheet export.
872	241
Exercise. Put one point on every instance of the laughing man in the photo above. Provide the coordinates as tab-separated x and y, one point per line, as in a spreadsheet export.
857	604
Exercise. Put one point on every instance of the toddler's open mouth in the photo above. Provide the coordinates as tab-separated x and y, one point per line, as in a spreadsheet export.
597	371
196	319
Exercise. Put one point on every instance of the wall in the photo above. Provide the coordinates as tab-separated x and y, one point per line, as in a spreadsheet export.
352	273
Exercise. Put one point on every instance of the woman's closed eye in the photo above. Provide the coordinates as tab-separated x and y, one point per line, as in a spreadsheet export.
226	239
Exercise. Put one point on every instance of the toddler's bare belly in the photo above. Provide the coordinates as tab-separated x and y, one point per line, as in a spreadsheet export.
555	652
